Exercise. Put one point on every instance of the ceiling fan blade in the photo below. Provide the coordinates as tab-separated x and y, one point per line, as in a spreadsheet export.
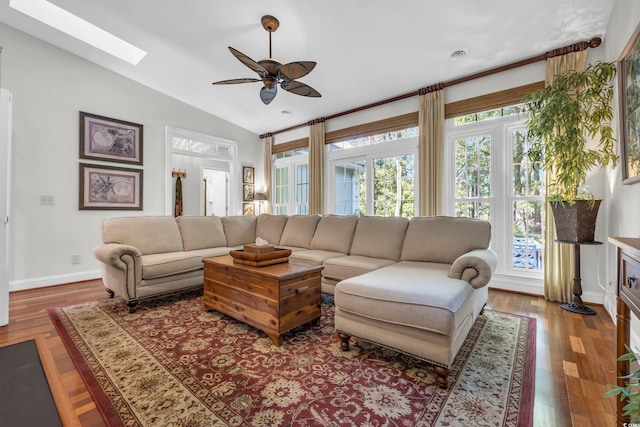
299	88
248	61
295	70
267	94
235	81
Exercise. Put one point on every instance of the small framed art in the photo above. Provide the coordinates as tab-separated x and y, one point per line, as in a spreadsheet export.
248	209
103	138
248	193
110	188
248	175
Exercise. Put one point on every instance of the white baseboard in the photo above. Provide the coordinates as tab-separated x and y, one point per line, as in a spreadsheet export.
534	286
41	282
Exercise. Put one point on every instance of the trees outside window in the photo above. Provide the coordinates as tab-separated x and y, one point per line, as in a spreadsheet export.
291	183
490	177
374	175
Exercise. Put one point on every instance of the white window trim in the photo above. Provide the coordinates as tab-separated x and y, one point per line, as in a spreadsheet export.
505	277
368	153
291	163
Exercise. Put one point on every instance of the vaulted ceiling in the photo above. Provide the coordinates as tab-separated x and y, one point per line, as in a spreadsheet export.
366	51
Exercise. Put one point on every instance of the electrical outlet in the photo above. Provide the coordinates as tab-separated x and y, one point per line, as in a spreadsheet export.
47	200
75	259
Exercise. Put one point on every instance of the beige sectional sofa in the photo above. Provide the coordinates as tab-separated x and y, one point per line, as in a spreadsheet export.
414	285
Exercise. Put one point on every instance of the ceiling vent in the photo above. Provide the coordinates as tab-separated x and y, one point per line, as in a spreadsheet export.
457	55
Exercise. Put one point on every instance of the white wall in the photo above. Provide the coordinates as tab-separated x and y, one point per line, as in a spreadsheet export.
624	200
50	87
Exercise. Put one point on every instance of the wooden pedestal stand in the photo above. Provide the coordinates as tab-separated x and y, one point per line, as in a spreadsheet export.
576	305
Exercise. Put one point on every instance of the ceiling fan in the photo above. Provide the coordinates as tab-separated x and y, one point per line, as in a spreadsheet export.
273	72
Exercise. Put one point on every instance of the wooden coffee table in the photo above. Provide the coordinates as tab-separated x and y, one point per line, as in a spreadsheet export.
274	298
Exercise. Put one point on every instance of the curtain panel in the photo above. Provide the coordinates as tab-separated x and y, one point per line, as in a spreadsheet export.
558	258
316	167
267	143
431	152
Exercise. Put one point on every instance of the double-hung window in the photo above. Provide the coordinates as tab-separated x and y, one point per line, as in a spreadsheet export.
291	182
490	177
373	175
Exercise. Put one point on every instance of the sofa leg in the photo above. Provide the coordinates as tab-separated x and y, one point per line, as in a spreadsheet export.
111	293
443	375
133	305
344	341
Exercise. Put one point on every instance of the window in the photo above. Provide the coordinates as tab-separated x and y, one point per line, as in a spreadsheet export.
291	183
490	177
389	189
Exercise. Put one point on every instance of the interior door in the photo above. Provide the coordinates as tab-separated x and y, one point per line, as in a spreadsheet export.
5	196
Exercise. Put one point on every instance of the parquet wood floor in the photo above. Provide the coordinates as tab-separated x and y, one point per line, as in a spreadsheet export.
575	357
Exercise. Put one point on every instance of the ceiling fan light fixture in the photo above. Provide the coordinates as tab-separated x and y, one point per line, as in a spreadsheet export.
273	72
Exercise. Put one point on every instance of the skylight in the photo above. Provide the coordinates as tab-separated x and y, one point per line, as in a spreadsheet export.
82	30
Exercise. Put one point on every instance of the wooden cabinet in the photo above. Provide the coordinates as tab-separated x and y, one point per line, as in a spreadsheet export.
628	300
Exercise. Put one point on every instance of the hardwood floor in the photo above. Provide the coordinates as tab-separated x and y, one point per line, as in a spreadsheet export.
575	356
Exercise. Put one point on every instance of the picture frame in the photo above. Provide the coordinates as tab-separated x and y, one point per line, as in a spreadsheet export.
108	139
629	96
248	209
248	173
248	193
110	188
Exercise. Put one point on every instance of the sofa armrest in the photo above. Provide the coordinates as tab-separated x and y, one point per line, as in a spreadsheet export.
475	267
125	259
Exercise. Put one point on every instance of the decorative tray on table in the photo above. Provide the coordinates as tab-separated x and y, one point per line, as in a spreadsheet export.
259	256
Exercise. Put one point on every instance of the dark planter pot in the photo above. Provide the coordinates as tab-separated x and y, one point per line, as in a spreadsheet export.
576	222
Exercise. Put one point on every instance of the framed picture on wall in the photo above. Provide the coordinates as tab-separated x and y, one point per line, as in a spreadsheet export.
629	94
248	193
247	175
103	138
248	209
110	188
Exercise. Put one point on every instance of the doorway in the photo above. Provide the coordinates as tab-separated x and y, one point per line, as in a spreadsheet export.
215	192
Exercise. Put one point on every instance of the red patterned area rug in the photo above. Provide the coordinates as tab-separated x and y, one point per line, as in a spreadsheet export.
174	364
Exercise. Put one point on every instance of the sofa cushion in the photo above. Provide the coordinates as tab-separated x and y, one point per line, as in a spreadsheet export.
334	233
352	265
415	294
200	232
316	257
151	235
443	239
298	231
269	227
168	264
239	229
379	237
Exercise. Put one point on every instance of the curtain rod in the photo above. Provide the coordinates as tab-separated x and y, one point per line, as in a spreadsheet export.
576	47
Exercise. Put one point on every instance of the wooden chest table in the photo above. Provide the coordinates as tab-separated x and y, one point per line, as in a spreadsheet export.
274	298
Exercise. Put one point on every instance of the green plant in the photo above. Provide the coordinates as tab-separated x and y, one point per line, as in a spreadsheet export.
631	390
563	118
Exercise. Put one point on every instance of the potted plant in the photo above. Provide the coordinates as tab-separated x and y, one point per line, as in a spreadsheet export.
569	127
630	392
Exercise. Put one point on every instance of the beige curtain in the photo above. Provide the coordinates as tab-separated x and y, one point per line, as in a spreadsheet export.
267	142
558	258
316	167
431	151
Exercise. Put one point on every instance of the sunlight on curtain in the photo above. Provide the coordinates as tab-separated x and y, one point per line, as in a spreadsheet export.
316	167
267	143
431	152
558	258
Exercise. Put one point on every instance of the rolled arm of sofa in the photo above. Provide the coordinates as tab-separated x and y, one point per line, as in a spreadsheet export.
126	259
475	267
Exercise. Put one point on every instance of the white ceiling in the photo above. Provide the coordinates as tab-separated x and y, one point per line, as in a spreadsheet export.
366	51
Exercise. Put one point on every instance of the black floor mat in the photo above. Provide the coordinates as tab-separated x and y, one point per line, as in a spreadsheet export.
25	397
